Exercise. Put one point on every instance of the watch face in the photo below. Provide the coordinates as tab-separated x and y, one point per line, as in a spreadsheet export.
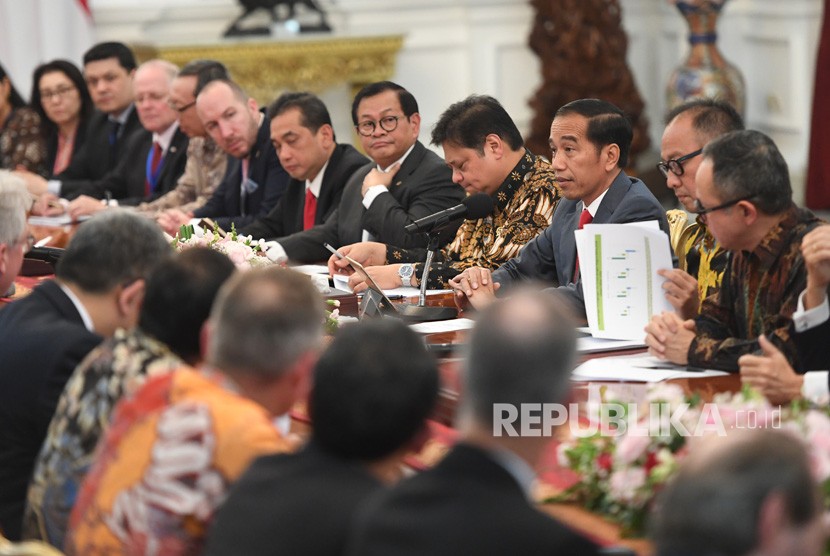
406	271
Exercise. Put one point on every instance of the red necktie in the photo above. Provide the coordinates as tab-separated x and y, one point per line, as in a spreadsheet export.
152	169
584	218
309	210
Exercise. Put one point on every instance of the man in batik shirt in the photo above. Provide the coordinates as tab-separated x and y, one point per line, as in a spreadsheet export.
743	191
177	301
484	149
177	445
702	261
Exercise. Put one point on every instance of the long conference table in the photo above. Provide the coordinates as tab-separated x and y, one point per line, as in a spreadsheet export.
441	425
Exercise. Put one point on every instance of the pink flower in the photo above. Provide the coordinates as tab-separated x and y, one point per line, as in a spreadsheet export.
625	484
631	448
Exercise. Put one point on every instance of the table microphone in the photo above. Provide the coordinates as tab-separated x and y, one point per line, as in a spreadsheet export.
472	208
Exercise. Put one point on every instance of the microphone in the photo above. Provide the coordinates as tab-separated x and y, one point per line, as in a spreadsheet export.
472	208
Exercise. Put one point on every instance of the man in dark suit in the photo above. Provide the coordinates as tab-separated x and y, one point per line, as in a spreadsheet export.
98	288
157	154
405	182
303	137
254	180
477	500
304	503
109	68
589	140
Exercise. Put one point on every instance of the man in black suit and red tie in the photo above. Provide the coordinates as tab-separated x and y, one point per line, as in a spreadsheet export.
304	140
478	500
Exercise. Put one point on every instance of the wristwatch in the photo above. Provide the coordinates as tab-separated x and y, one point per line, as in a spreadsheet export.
405	272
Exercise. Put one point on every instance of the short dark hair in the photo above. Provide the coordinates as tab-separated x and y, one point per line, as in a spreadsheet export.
373	389
111	249
408	103
71	71
521	350
263	321
607	124
710	117
205	71
118	50
15	99
179	296
715	506
748	164
313	112
468	122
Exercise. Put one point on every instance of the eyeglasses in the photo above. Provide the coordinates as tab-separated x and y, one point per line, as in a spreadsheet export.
387	123
181	109
56	94
675	165
701	210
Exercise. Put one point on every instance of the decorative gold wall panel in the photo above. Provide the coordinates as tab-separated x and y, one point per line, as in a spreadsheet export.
264	69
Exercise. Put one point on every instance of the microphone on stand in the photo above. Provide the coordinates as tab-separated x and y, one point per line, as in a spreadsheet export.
472	208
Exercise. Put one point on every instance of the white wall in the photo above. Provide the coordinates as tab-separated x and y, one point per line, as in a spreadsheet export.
457	47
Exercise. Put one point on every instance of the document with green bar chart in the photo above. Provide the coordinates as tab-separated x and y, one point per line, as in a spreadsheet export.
618	264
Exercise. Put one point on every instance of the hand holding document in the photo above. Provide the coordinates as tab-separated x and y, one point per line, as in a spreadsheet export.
618	265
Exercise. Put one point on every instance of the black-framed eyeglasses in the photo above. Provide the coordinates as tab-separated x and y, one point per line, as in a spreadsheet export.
181	109
387	123
675	165
701	210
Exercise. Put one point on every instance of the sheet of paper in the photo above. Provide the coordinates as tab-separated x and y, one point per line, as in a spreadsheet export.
342	283
437	326
618	264
635	368
589	344
50	221
311	268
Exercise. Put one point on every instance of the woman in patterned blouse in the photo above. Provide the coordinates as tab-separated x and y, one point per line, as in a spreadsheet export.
21	144
61	99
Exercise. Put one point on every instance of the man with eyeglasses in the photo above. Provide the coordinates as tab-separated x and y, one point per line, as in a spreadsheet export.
109	68
98	287
206	161
15	240
743	189
404	182
702	261
155	156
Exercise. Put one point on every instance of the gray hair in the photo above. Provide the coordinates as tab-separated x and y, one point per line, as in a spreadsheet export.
522	350
169	68
14	202
263	321
747	164
714	502
111	249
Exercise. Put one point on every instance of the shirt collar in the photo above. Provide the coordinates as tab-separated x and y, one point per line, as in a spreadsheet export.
122	117
593	207
776	239
400	160
85	316
317	183
514	181
166	137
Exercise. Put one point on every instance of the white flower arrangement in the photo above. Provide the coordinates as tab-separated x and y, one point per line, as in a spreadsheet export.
243	251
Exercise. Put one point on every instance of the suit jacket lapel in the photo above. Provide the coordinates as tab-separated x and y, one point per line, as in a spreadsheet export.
616	193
